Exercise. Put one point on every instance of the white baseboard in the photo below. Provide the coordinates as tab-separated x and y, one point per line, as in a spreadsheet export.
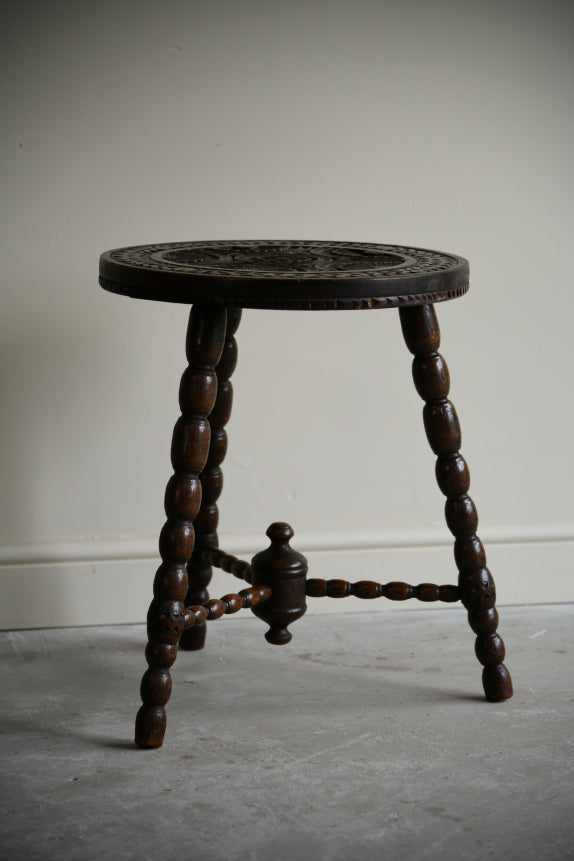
100	582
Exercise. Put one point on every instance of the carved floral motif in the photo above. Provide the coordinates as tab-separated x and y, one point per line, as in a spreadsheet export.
287	260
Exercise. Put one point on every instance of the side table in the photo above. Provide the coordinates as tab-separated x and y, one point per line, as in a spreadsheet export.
218	279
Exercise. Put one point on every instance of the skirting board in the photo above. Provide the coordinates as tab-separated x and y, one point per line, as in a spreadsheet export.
104	582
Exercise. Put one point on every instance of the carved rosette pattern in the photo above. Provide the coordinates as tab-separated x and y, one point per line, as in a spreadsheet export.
294	260
190	447
285	274
431	377
206	522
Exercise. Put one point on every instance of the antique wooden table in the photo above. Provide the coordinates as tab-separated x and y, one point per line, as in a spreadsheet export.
219	279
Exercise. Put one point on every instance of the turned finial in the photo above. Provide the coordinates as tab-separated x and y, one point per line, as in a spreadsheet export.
280	533
285	570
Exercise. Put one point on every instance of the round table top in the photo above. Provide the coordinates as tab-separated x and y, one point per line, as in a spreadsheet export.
290	274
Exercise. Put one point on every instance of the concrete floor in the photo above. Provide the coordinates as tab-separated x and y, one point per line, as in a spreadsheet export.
365	738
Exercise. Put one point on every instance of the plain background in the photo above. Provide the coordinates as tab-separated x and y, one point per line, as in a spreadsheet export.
444	125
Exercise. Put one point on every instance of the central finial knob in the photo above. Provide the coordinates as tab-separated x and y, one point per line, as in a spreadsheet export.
281	532
285	570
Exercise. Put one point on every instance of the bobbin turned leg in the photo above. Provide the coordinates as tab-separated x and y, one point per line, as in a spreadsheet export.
430	373
189	449
285	570
205	524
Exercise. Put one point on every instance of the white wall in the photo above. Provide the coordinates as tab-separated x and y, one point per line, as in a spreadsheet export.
444	124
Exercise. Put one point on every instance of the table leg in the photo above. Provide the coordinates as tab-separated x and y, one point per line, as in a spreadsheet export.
431	377
206	522
189	450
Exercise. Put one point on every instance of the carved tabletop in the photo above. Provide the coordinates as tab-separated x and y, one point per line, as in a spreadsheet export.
289	274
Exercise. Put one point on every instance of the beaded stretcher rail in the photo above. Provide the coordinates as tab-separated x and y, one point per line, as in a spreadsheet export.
317	588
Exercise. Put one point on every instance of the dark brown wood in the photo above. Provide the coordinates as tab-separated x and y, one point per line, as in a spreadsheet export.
285	274
430	373
206	522
227	562
190	447
367	589
285	571
215	608
222	277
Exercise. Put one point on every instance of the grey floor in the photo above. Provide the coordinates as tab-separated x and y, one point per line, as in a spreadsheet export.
365	738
